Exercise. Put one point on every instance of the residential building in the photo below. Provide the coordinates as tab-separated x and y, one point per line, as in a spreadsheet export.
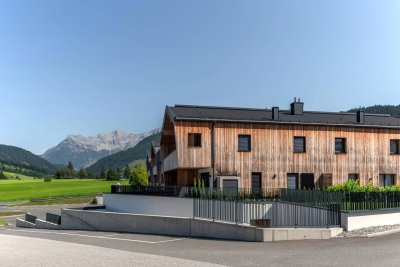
273	148
154	164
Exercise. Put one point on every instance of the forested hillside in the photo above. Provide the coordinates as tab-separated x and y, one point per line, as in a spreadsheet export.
380	109
21	159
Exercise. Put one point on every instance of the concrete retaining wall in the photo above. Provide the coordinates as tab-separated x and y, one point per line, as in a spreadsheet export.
180	226
40	224
124	222
151	205
362	219
24	224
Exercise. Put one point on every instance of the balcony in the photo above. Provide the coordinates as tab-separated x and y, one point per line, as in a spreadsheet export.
171	161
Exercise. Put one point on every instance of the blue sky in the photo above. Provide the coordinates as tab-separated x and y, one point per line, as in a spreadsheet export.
83	67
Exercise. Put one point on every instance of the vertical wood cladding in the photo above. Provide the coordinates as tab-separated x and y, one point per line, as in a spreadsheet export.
367	152
193	157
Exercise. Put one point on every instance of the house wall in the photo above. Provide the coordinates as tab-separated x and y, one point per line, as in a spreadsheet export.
193	157
368	152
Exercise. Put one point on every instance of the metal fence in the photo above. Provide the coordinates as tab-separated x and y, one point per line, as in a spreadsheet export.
347	200
279	213
232	193
296	215
146	190
231	211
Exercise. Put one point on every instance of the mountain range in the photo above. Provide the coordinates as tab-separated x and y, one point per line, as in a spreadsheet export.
120	159
84	151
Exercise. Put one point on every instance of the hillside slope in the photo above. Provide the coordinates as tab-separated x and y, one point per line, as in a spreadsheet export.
380	109
19	157
120	159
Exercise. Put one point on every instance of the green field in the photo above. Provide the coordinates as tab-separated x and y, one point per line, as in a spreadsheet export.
16	190
11	175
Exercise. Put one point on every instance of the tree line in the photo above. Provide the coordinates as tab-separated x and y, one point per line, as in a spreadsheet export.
136	176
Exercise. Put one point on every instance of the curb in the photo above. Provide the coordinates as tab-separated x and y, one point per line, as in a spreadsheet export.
384	233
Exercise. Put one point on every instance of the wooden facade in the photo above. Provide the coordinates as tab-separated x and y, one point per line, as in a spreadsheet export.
272	154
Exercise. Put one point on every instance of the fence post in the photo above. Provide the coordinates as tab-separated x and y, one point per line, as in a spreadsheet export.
213	209
236	212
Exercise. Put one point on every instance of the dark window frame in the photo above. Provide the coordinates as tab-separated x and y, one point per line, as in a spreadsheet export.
259	187
304	150
197	142
383	183
353	176
248	136
344	145
397	142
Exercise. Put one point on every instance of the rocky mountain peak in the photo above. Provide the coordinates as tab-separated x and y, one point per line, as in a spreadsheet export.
83	151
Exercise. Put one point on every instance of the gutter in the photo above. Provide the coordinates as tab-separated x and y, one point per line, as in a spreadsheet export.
286	123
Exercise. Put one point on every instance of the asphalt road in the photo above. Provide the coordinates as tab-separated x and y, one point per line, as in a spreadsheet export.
378	251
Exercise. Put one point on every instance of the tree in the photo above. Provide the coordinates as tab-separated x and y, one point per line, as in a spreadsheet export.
139	176
82	173
127	172
70	169
2	175
60	173
112	175
118	172
103	174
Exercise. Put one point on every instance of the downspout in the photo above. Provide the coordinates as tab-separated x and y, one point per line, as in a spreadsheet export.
213	151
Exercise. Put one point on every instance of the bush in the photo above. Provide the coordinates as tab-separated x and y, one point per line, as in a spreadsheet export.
47	179
139	176
353	186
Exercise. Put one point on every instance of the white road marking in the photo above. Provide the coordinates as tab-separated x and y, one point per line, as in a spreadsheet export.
99	237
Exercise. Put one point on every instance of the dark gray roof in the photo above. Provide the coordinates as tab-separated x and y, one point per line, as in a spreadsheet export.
205	113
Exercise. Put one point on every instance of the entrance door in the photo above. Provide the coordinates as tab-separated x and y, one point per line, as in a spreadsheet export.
230	186
293	181
307	181
255	182
205	176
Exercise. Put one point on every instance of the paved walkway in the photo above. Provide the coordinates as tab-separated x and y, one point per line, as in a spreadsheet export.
28	251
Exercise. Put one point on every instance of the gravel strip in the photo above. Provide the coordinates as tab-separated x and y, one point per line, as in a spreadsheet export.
364	232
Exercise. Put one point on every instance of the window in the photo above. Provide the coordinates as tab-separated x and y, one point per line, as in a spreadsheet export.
353	176
386	180
394	147
194	140
340	145
293	181
299	144
244	143
255	181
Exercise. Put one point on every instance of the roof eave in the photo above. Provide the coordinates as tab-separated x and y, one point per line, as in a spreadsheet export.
286	122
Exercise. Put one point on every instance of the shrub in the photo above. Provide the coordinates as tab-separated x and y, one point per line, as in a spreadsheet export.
47	179
353	186
139	176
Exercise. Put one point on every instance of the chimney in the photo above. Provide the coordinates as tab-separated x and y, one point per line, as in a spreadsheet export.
360	116
275	113
296	108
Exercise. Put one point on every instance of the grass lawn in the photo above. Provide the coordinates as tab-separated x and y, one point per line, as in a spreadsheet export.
16	190
3	223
